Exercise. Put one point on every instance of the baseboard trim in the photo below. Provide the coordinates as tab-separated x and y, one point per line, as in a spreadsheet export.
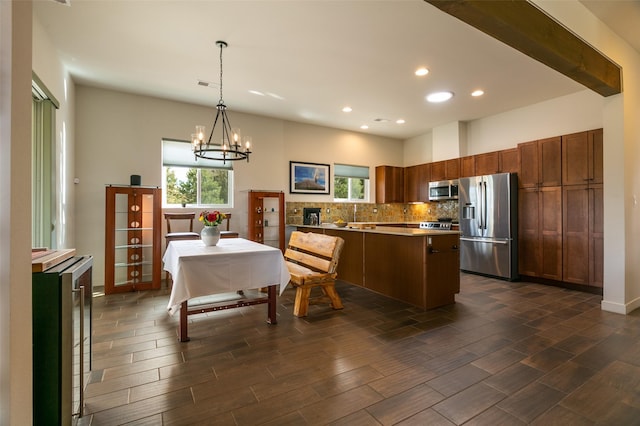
620	308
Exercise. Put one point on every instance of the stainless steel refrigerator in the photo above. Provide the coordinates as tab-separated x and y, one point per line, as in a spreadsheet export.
489	225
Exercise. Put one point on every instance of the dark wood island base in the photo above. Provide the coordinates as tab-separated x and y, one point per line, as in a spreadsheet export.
419	267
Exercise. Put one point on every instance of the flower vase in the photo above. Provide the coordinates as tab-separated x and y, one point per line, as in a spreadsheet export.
210	235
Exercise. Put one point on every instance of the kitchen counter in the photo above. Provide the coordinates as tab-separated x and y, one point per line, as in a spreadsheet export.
417	266
381	229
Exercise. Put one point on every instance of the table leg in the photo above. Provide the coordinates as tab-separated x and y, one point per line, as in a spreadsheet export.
272	304
184	317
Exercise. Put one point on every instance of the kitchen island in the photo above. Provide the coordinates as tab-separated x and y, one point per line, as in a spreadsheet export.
417	266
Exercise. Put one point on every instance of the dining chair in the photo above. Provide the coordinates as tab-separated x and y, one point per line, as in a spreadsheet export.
227	233
181	230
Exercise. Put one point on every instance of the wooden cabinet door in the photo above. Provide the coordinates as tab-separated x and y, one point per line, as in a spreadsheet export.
596	235
438	171
488	163
595	153
576	234
411	184
551	241
468	166
416	183
529	165
582	158
509	160
442	257
424	174
389	184
550	161
528	232
452	168
575	159
540	232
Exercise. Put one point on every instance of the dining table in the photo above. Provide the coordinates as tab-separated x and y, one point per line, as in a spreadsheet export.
233	265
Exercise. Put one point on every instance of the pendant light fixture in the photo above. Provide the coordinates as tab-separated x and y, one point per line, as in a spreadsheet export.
230	147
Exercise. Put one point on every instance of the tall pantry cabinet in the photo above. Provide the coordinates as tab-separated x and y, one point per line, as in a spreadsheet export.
583	205
560	217
540	208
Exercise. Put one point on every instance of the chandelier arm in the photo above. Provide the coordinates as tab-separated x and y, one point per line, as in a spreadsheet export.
214	125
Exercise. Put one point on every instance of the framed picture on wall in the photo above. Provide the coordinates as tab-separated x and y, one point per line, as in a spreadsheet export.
308	178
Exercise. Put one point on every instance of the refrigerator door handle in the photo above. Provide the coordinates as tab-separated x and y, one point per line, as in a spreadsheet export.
480	206
482	240
484	203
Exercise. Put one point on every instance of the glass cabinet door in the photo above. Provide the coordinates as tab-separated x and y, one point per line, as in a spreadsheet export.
132	250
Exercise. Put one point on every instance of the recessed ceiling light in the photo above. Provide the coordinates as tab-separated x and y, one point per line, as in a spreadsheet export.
439	97
400	121
364	127
477	92
347	109
255	92
422	71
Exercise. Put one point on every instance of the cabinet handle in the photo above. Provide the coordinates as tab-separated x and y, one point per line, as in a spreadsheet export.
454	247
431	250
81	354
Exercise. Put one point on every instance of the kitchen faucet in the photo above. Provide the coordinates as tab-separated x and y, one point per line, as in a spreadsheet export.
355	209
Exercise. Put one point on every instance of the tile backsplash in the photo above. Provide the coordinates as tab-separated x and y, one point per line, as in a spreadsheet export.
367	212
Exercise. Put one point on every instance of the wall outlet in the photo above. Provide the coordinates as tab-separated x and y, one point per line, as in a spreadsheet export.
328	210
375	210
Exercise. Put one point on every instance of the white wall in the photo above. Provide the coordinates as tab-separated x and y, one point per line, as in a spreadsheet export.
119	134
560	116
15	214
418	150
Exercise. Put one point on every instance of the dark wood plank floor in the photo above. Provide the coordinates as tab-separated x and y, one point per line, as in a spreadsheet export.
504	354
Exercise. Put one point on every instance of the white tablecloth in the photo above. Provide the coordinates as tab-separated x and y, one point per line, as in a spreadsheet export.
233	264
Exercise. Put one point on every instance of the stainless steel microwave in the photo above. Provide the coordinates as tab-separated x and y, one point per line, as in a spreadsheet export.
443	190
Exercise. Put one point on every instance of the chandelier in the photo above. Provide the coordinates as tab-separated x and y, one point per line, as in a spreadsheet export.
230	147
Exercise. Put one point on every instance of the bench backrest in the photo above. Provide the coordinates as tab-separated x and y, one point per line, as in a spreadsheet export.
318	252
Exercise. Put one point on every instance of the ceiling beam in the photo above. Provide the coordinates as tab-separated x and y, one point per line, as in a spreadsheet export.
523	26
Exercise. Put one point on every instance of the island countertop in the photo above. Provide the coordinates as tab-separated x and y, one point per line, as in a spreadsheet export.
381	229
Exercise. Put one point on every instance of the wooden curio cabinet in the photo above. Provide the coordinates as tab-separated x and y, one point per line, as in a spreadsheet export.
132	238
266	218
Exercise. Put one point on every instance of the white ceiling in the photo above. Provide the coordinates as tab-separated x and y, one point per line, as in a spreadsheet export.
310	58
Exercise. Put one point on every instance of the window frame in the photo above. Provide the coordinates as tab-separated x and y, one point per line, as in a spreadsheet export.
217	165
351	173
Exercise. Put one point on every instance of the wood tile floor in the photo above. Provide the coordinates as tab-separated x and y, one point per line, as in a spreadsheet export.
504	354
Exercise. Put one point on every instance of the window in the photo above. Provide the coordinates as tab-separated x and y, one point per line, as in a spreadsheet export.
194	182
44	198
350	183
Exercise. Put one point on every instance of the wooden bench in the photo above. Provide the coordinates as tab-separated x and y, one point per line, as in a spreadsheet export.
312	260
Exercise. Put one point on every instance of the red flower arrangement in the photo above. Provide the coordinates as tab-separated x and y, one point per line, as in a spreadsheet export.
214	218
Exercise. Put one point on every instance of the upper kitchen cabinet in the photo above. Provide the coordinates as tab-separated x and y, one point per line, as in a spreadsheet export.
468	166
487	163
445	170
416	183
582	158
389	184
509	161
540	163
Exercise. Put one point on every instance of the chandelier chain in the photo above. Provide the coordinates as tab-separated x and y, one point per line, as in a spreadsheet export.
221	47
